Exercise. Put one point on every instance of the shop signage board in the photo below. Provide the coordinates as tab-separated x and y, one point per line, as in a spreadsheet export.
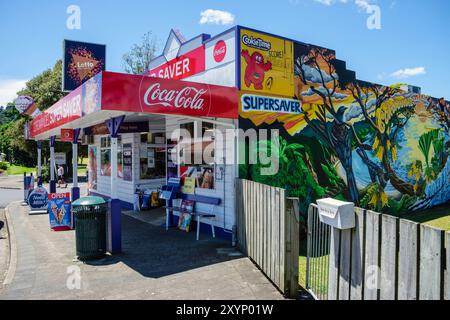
26	105
66	135
143	94
181	67
81	62
266	63
37	200
64	111
60	158
59	211
259	103
125	127
220	50
133	93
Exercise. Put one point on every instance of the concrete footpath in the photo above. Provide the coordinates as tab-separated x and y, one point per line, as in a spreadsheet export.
155	264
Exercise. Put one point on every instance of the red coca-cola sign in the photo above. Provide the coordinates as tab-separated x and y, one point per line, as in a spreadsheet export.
133	93
186	98
220	51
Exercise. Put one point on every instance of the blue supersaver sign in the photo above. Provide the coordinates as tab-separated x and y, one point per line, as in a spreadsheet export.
38	198
254	103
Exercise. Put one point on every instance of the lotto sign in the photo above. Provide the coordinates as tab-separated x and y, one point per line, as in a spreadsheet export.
59	211
81	62
266	63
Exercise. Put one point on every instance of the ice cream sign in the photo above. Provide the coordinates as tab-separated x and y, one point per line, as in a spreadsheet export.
59	210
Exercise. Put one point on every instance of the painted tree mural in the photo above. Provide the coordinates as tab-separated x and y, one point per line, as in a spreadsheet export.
384	148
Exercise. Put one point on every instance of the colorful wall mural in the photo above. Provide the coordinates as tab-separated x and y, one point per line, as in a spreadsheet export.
383	148
266	63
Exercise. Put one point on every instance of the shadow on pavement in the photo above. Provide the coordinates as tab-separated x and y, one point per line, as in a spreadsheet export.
154	252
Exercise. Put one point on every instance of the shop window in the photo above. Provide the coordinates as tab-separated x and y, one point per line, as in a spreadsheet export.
105	157
198	158
207	130
152	156
189	127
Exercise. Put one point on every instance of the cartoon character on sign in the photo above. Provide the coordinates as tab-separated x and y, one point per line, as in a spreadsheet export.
256	69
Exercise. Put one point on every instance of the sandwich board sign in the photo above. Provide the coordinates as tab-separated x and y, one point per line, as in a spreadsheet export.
37	200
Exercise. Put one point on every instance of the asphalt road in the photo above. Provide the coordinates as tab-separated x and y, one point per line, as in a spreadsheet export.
9	195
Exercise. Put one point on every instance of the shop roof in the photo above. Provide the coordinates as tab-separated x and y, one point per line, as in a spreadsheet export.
110	94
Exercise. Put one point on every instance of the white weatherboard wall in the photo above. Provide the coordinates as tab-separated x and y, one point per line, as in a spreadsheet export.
225	188
221	73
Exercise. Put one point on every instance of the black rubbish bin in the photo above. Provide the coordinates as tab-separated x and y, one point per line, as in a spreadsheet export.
90	227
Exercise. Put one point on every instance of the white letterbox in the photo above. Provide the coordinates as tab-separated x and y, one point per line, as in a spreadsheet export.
338	214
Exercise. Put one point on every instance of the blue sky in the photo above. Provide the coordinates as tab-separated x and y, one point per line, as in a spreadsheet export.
412	45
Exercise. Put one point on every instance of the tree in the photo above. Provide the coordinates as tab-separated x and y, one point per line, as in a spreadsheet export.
137	60
45	89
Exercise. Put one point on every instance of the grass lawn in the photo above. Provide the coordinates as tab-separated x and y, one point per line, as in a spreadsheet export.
438	217
81	169
14	170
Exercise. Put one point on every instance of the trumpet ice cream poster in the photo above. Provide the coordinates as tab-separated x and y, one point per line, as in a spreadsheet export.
59	211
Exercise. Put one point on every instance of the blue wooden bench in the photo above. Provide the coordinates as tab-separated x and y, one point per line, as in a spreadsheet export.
198	214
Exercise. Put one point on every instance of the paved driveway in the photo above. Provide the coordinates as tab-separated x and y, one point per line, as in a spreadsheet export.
155	264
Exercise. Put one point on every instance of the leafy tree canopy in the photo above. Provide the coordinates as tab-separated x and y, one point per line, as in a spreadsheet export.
137	60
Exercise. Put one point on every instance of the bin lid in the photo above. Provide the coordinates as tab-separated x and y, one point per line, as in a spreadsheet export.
87	201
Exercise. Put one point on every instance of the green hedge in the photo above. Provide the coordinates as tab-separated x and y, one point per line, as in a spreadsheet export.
3	166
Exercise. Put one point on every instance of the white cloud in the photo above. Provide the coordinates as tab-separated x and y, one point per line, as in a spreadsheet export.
8	90
216	17
363	4
408	72
330	2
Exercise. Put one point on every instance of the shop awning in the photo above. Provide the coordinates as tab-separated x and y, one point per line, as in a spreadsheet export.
110	94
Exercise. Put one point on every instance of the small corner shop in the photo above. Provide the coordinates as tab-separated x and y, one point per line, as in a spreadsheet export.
128	120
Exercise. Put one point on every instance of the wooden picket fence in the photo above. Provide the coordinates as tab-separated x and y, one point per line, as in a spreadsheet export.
268	232
387	258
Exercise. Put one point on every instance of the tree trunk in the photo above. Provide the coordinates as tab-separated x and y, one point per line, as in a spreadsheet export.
402	186
343	148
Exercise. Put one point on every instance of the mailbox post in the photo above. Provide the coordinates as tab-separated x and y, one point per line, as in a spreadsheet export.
336	213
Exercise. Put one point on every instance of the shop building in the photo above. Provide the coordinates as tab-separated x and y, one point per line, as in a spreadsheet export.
340	136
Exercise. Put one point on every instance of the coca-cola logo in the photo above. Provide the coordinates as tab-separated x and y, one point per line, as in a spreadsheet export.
185	98
220	50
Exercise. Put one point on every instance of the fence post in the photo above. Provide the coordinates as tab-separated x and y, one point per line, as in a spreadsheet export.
371	265
292	246
357	267
333	267
447	277
408	260
431	268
